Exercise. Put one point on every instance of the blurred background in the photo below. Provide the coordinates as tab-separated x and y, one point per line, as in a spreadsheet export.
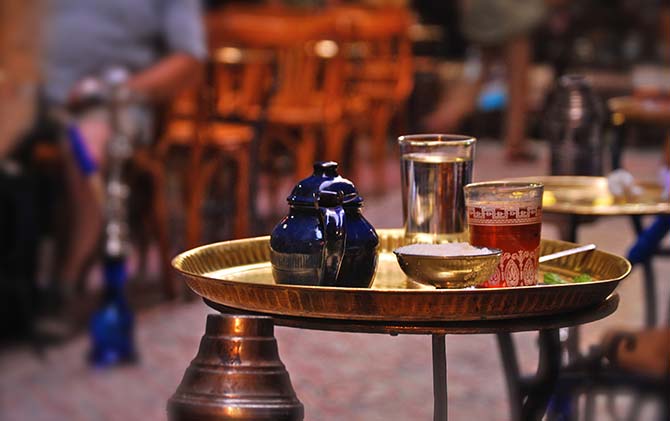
131	131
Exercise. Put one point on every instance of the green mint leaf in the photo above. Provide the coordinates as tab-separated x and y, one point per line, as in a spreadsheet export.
552	279
582	278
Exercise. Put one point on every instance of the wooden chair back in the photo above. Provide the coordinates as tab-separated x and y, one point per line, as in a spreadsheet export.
378	49
306	58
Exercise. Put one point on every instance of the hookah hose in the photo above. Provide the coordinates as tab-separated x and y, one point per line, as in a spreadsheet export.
81	154
85	162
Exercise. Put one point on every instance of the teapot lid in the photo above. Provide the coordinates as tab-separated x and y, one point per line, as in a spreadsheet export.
324	178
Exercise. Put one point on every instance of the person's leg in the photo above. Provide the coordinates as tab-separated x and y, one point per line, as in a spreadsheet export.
85	221
461	99
517	57
459	102
85	196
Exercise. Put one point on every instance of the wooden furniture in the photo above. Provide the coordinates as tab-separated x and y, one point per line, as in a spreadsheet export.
19	69
305	109
613	366
210	143
144	165
379	72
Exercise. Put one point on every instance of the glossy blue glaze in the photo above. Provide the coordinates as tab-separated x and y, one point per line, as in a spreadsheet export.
112	325
299	242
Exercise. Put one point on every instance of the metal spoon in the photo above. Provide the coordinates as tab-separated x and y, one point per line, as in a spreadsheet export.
567	252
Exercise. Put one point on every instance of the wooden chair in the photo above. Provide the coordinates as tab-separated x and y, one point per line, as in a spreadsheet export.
379	71
307	89
216	122
636	363
209	144
156	220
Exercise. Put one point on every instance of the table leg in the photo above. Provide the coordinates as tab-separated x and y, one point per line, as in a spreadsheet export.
572	343
545	379
529	397
439	378
620	133
649	293
512	374
649	279
572	338
573	224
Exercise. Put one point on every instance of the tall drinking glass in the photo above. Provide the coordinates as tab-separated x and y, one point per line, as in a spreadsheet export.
434	170
508	216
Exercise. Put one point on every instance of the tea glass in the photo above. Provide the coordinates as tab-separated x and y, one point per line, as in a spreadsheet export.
508	216
434	169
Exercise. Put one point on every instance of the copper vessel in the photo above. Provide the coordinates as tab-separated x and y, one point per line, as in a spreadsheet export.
237	375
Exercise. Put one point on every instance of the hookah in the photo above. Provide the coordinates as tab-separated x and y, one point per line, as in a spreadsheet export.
112	325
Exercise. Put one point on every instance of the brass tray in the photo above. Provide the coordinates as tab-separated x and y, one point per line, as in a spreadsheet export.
238	274
647	110
583	195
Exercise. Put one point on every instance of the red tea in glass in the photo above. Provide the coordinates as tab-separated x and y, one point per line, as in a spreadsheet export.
507	216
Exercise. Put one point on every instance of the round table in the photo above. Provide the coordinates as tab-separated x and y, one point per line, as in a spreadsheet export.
626	111
571	200
529	396
235	277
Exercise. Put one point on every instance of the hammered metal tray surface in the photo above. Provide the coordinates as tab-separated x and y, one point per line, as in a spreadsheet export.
582	195
238	274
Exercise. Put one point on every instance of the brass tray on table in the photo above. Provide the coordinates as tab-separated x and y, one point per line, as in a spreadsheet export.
238	274
590	196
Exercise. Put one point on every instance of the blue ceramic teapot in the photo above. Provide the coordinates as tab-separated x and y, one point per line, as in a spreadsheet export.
324	240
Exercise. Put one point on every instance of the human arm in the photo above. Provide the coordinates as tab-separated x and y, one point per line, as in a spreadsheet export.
166	78
182	34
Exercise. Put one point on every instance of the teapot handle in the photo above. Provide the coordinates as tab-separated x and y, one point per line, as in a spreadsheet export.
334	235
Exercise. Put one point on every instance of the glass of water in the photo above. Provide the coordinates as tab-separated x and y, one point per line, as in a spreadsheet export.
434	169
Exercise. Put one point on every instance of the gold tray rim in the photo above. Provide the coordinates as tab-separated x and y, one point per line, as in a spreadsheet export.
176	264
572	208
228	292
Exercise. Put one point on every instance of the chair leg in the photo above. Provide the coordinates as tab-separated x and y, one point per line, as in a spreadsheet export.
305	153
196	198
161	224
160	221
242	192
381	118
334	147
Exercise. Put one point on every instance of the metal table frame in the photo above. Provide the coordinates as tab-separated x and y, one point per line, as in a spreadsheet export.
529	397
